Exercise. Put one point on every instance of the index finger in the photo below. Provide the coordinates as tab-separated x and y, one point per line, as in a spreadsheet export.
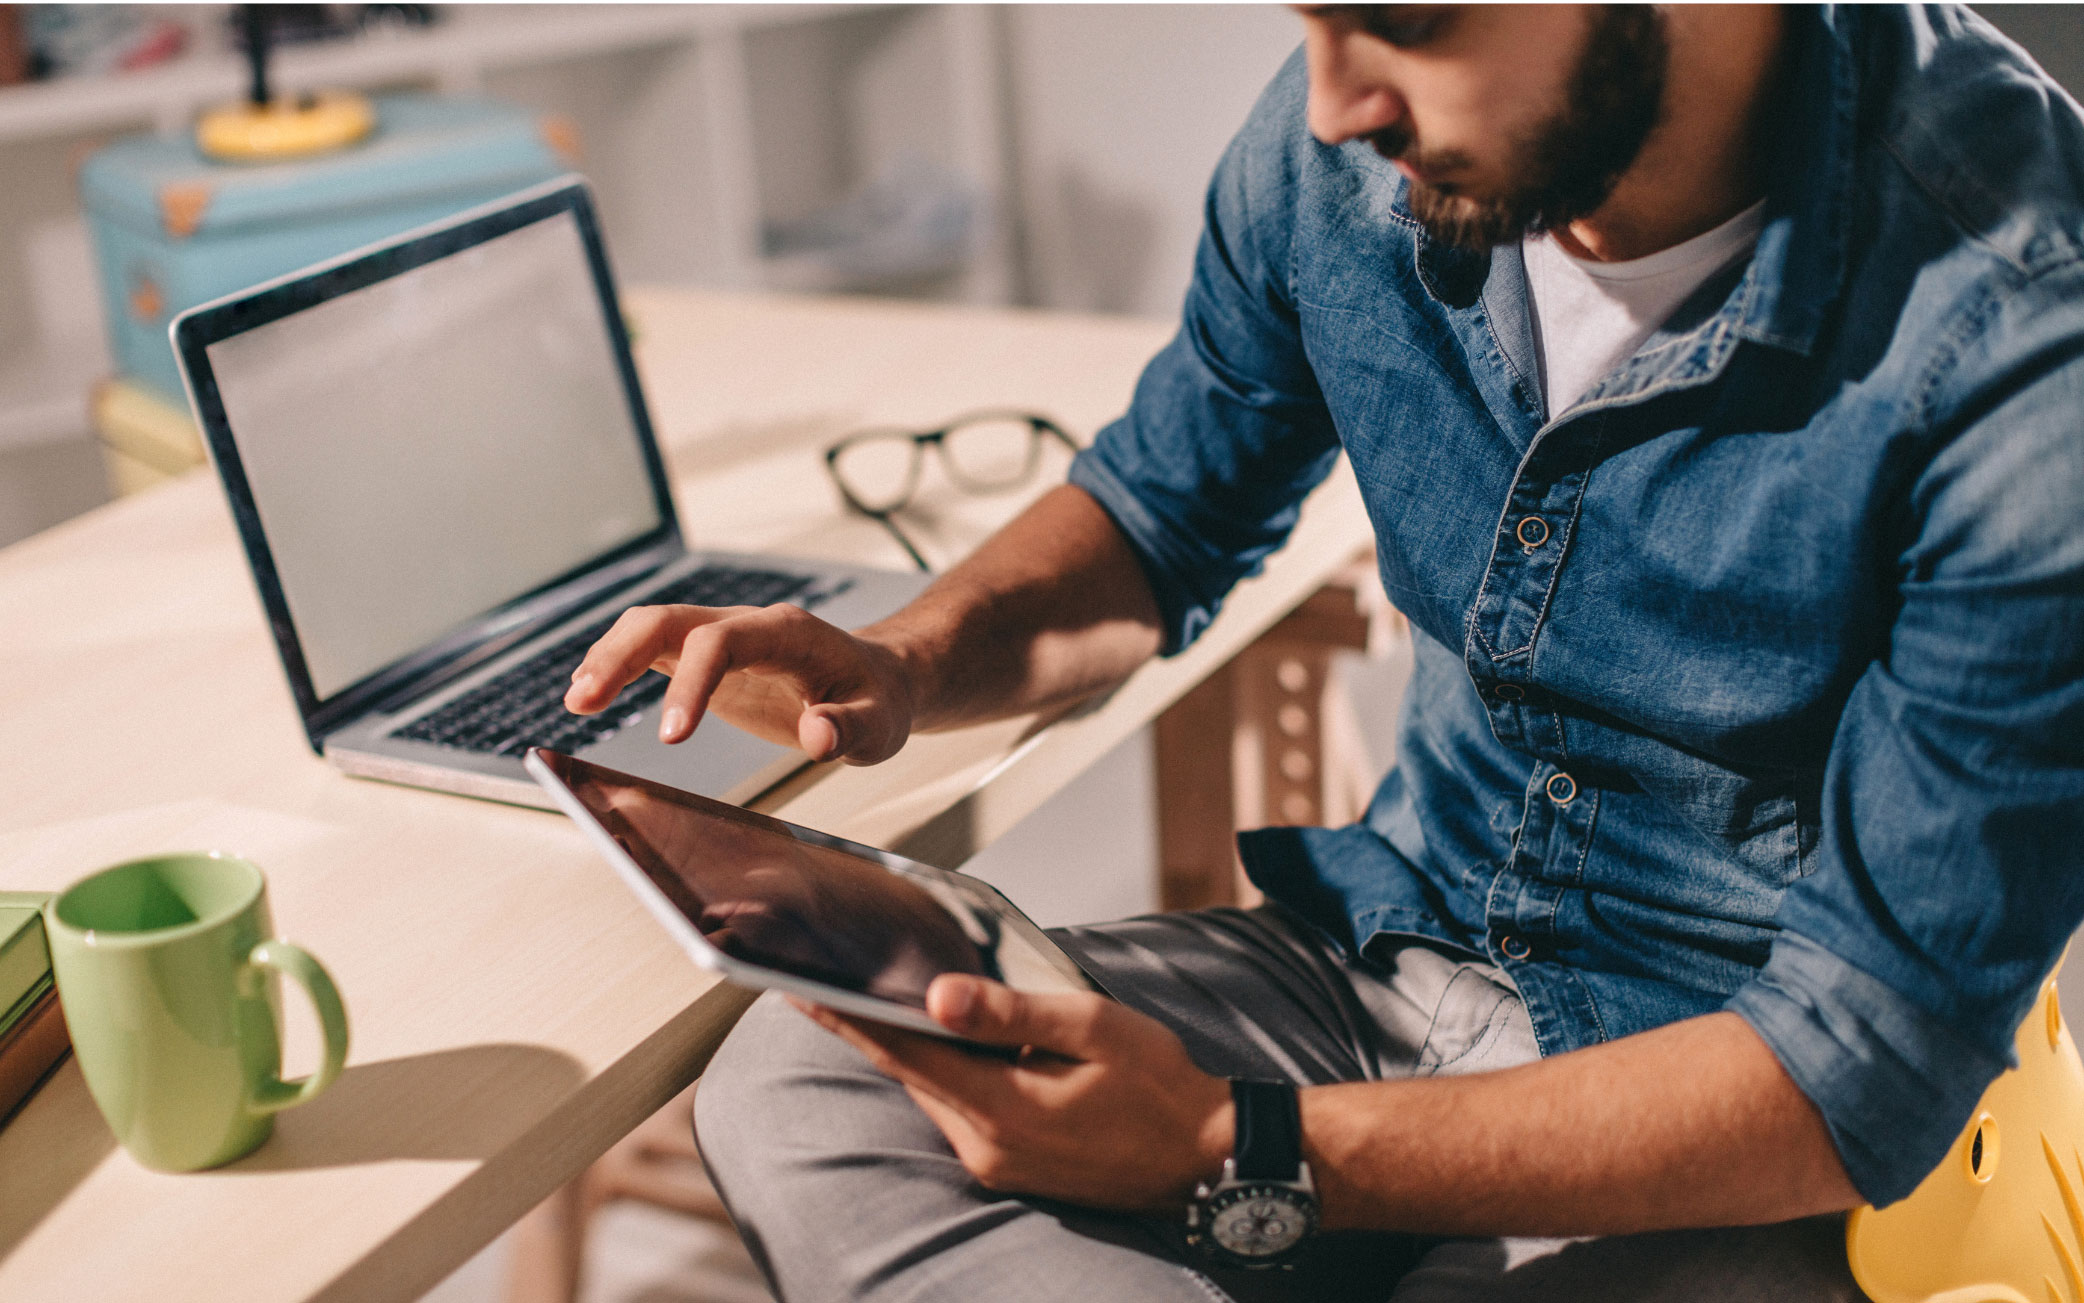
632	645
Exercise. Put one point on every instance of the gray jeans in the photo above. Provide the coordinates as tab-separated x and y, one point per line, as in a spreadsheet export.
844	1191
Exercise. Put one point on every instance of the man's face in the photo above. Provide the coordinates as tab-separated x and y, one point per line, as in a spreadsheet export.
1508	119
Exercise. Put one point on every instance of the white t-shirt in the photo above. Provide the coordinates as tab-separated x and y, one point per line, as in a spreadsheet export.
1591	316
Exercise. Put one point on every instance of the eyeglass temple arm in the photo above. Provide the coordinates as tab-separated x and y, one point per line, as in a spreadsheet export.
1043	425
886	520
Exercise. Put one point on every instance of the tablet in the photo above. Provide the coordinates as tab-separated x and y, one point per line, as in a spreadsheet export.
771	904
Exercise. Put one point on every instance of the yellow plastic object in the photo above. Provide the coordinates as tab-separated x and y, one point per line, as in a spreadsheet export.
285	127
2001	1219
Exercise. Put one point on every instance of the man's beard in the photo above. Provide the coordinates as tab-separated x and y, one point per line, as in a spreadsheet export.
1567	166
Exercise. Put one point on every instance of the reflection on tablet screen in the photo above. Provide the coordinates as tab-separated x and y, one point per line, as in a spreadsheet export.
759	892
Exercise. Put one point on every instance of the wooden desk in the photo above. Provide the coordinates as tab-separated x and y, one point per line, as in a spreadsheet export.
514	1010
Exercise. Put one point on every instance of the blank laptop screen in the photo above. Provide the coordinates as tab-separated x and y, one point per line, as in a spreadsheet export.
427	448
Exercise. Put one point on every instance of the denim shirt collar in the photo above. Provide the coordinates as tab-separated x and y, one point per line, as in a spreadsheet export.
1797	270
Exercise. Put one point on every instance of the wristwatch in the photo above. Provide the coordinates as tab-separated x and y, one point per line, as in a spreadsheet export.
1264	1206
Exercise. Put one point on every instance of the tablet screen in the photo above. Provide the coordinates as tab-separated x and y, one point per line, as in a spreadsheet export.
796	901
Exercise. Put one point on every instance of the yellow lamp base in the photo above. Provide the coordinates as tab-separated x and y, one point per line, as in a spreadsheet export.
285	128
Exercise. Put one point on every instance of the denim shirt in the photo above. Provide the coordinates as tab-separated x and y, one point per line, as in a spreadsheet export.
1755	680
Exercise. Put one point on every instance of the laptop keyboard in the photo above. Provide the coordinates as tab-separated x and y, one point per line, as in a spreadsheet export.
524	707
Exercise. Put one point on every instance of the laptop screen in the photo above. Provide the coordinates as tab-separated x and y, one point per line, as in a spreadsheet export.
427	448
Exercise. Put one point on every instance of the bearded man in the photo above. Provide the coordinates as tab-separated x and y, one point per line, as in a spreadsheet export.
1712	377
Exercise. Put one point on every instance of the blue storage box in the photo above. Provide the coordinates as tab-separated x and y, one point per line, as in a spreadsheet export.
173	228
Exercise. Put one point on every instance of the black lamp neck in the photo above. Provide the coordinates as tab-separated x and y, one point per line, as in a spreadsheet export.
254	19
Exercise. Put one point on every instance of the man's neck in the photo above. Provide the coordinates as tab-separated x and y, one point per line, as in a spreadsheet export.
1703	161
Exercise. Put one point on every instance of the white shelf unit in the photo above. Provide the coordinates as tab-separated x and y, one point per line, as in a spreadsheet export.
665	97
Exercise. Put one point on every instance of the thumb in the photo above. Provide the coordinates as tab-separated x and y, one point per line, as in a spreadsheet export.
1071	1024
858	732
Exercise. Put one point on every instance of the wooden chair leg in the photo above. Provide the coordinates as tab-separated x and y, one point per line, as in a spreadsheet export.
1197	814
550	1248
656	1164
1251	747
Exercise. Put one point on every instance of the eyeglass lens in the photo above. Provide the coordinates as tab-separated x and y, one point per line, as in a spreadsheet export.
991	452
987	453
878	470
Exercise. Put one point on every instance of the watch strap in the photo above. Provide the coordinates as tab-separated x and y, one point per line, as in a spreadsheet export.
1269	1130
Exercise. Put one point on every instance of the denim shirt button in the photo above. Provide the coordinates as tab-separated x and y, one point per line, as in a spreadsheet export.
1562	788
1508	692
1514	946
1532	532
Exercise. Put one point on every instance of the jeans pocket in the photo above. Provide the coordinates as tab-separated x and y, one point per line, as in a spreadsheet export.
1480	1025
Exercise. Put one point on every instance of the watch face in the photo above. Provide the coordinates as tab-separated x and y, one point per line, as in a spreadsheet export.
1260	1221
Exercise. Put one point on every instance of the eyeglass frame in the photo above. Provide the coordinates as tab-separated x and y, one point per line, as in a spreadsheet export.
1039	427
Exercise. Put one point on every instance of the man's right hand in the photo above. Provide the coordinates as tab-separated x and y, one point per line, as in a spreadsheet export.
1052	608
777	672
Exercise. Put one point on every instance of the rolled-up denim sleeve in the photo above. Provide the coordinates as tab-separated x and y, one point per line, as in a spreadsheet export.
1950	867
1227	432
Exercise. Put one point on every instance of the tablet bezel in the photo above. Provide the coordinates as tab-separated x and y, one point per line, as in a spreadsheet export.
542	764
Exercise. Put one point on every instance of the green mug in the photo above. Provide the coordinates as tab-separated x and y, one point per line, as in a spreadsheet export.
166	971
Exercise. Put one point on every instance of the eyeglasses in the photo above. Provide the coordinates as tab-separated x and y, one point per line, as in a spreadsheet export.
877	471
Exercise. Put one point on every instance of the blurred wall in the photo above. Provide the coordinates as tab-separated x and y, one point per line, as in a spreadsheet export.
2051	33
1119	113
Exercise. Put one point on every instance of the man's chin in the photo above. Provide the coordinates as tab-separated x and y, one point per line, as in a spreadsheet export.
1466	223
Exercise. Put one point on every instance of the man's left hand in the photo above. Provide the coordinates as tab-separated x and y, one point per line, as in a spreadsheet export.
1102	1108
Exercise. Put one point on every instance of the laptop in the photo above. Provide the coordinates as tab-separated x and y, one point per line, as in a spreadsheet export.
443	473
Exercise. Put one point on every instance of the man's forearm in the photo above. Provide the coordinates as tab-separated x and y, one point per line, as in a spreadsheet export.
1052	608
1694	1124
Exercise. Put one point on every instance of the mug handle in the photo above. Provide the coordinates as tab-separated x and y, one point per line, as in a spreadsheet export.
293	962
